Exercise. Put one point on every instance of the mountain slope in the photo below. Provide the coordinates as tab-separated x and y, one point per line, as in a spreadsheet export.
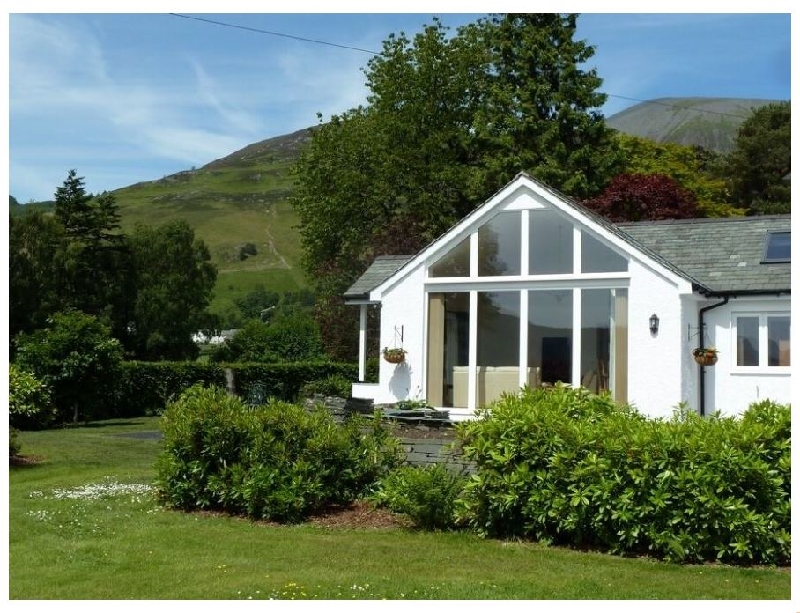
711	123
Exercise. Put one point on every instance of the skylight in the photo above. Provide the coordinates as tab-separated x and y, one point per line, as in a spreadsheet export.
779	247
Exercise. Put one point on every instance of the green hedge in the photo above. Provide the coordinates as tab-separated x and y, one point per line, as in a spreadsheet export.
147	387
276	461
564	466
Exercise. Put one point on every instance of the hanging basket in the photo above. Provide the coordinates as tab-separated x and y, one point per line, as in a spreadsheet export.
394	356
704	356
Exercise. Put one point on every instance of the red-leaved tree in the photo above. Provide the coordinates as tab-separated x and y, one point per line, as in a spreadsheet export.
637	197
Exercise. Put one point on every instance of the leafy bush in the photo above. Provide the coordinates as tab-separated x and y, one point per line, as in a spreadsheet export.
76	357
426	494
275	461
30	402
290	336
332	385
564	466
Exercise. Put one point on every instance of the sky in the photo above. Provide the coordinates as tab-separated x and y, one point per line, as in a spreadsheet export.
129	97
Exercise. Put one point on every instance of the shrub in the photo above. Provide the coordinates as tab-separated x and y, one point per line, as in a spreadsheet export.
30	402
426	494
147	387
275	461
13	443
76	357
290	336
564	466
332	385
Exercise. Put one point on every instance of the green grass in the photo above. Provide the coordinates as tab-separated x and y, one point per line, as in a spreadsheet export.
126	546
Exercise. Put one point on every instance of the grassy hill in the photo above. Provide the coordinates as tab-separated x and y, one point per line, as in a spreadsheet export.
232	202
241	199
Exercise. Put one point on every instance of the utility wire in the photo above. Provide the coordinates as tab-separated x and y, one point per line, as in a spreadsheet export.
323	42
300	38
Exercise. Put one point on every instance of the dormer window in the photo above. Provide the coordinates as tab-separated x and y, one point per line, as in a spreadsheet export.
778	248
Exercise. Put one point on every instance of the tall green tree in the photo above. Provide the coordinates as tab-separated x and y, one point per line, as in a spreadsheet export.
448	121
761	162
541	108
174	280
36	269
97	267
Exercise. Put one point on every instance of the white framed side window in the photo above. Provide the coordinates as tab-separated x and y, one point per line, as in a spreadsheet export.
761	341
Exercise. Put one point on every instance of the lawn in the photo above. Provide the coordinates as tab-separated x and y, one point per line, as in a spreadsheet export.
84	524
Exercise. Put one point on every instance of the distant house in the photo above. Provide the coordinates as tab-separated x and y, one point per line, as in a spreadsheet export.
217	337
532	288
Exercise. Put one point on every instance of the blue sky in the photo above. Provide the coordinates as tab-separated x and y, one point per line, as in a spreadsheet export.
124	98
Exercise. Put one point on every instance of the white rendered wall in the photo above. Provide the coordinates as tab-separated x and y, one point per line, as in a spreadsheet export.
654	362
403	308
728	388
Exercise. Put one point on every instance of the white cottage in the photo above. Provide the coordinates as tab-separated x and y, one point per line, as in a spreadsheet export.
531	288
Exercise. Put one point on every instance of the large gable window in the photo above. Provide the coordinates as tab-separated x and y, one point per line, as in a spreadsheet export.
525	296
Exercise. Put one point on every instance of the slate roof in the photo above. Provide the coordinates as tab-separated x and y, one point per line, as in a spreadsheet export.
381	269
723	255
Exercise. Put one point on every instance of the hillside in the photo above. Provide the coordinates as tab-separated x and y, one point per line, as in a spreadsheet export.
711	123
232	202
242	198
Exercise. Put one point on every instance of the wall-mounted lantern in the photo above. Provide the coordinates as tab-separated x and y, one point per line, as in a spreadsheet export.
654	324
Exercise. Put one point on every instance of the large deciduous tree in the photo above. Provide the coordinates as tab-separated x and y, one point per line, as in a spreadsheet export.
760	164
174	280
448	121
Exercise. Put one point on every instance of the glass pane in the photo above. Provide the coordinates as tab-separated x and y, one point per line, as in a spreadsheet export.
604	341
549	336
596	257
448	349
550	243
499	246
454	263
779	247
778	340
498	345
747	341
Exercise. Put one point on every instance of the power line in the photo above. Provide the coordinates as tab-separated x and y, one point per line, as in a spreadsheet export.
352	48
258	31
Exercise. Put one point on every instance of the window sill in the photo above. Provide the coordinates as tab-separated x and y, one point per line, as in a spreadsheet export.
762	370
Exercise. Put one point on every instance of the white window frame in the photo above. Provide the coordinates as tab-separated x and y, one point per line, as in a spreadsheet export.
763	343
